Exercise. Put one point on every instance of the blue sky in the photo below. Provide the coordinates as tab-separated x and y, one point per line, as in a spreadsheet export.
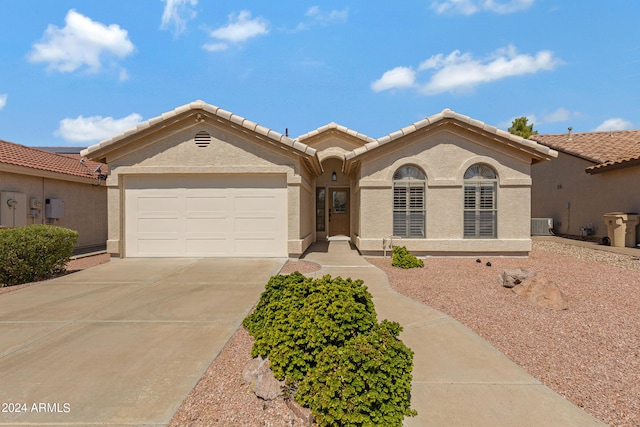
76	72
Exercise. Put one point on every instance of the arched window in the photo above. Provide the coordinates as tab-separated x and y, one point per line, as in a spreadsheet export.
409	202
480	205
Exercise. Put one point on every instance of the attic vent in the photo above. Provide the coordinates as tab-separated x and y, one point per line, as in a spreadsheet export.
203	139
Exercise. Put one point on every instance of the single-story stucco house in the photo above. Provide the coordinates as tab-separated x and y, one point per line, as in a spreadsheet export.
595	173
42	187
202	181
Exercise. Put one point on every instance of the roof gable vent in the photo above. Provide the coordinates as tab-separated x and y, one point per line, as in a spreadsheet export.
202	139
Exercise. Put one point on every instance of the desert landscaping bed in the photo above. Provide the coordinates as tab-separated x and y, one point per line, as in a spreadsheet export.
590	353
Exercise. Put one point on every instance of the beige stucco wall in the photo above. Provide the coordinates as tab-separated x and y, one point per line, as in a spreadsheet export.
444	157
174	152
85	205
300	213
562	190
307	217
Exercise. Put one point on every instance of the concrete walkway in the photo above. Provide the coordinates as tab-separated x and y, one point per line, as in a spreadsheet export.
123	343
458	378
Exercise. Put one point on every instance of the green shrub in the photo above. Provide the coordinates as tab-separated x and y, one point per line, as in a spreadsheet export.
35	252
365	382
297	317
322	336
404	259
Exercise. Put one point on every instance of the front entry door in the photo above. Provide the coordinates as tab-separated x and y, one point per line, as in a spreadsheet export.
339	212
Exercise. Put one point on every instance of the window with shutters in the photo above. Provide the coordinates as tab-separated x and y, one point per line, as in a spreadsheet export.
409	202
480	204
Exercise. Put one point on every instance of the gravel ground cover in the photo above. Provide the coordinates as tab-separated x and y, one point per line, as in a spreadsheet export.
589	354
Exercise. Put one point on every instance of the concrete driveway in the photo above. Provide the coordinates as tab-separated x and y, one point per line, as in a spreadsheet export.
122	343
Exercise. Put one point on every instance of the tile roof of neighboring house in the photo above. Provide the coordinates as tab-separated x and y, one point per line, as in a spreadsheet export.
62	149
608	150
33	158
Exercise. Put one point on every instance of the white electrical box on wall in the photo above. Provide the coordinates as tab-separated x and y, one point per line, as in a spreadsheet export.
54	208
13	209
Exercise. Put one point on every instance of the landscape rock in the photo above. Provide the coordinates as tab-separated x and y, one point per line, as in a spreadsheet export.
542	292
301	412
511	278
258	375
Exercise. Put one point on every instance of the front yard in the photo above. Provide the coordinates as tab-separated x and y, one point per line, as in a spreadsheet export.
589	353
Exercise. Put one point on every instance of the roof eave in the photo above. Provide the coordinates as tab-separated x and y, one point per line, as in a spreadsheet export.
42	173
614	166
201	111
538	152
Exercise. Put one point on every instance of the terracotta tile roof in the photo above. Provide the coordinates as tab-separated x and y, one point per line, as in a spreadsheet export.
33	158
614	164
607	150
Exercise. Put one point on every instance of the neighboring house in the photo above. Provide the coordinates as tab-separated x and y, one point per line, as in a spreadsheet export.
201	181
41	187
595	173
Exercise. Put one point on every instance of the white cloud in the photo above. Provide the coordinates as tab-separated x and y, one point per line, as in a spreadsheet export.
177	13
82	41
507	6
560	115
3	100
461	72
469	7
239	29
458	72
614	124
398	78
215	47
321	18
95	128
465	7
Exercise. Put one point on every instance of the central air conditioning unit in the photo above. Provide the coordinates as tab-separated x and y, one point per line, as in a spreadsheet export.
542	226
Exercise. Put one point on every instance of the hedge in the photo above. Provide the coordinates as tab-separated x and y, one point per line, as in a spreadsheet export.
323	338
35	252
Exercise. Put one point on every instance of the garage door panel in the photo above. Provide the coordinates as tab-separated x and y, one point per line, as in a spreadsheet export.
252	203
158	225
254	226
206	224
157	204
206	204
206	216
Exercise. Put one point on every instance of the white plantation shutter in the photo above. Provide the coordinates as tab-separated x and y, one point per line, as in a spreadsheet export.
409	202
480	206
400	211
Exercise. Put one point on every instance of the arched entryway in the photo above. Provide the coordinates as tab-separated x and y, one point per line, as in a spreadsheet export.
333	200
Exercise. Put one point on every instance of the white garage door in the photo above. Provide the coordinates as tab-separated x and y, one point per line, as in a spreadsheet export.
206	216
